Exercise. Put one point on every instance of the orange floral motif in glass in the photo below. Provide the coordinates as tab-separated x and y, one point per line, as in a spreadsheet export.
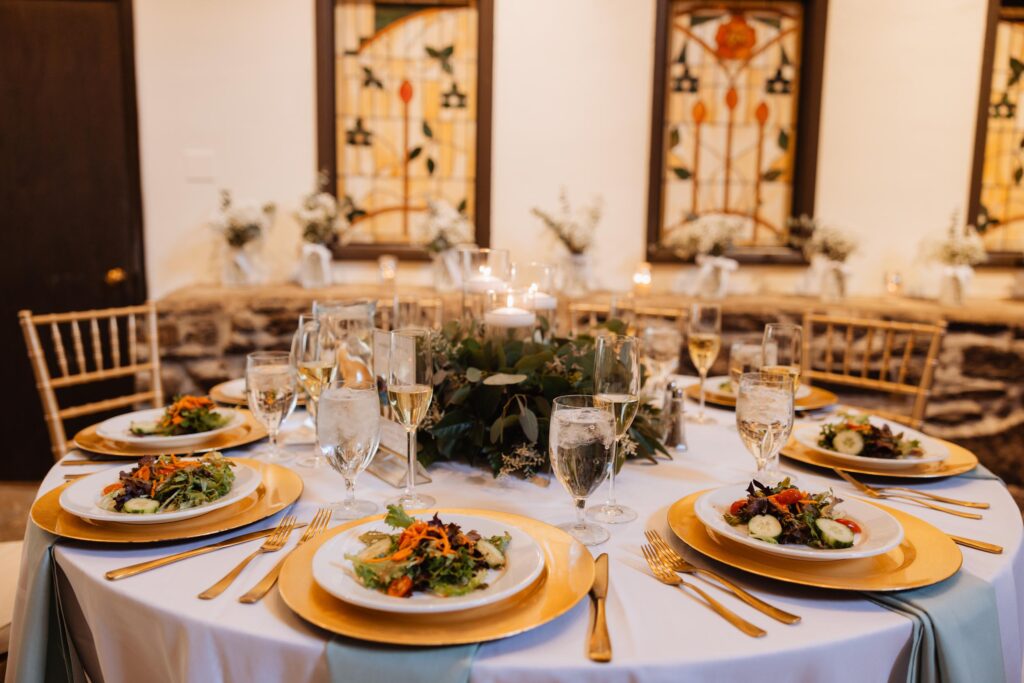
735	38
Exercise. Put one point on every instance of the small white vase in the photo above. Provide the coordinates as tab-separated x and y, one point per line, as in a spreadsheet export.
240	267
956	281
314	266
576	275
713	277
447	277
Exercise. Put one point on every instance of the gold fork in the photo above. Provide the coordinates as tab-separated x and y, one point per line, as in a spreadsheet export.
677	563
899	496
273	543
667	576
317	526
925	494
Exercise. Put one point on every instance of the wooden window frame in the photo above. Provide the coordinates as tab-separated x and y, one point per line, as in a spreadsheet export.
995	258
327	150
805	157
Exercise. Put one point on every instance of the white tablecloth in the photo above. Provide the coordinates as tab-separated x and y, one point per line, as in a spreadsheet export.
153	628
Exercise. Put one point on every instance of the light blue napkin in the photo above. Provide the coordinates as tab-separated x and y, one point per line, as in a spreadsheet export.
956	630
980	472
352	660
39	648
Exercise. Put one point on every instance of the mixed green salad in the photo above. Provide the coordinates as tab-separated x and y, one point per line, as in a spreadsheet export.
785	514
855	435
187	415
429	556
164	484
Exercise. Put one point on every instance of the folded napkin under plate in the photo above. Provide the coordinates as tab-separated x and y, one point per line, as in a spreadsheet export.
355	660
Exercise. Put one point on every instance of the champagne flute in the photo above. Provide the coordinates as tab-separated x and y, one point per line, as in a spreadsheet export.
744	357
703	340
764	419
313	356
580	443
616	388
271	389
782	351
348	433
410	388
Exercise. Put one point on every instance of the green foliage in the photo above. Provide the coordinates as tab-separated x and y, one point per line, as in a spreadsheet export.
494	399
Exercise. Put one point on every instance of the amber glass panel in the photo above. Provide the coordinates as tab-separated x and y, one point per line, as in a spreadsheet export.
730	114
1002	193
406	85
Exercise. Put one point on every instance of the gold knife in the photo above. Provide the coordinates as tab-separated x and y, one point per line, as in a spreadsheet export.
983	546
132	570
600	646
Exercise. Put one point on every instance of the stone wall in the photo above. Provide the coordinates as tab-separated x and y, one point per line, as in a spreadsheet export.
977	397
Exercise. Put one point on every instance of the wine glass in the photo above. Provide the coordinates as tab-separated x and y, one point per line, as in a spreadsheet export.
764	419
661	352
271	389
744	357
703	340
580	443
410	388
616	388
348	433
313	357
782	351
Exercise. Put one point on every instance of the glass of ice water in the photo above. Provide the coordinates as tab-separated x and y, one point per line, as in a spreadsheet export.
271	387
580	443
764	418
348	431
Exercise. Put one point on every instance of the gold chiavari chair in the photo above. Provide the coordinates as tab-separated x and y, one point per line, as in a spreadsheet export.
896	358
409	311
586	316
125	357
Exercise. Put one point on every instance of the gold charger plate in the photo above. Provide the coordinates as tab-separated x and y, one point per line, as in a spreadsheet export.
818	398
248	432
280	488
218	395
960	460
925	556
566	579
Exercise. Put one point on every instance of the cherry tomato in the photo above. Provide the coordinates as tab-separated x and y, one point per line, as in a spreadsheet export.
400	587
735	508
850	524
788	497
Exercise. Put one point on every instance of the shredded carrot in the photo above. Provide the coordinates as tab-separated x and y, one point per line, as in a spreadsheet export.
113	487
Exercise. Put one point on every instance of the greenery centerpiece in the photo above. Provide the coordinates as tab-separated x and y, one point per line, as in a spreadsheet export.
492	400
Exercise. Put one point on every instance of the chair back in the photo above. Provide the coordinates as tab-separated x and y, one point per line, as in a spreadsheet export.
886	356
131	347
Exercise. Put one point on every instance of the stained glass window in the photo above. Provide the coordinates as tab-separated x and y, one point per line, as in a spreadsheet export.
405	88
731	99
1000	216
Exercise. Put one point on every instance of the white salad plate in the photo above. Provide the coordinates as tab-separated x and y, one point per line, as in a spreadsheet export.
808	435
119	429
881	532
714	384
234	389
82	498
524	562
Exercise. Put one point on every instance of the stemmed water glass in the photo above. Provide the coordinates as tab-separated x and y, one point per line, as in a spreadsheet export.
313	356
271	389
410	389
782	351
616	388
348	433
662	344
764	419
744	357
580	443
704	338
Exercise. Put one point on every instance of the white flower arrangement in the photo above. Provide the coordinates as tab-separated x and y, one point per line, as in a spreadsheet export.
243	224
320	216
576	232
830	242
962	246
444	227
708	235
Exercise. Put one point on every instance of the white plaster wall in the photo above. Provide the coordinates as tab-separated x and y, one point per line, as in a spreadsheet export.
226	99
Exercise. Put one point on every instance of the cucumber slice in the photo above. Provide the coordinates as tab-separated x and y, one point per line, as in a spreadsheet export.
848	442
834	534
764	527
141	506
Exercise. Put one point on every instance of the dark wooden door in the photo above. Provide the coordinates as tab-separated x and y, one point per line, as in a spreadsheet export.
69	186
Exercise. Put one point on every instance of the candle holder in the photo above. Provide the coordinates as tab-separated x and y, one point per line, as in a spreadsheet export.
539	278
510	316
642	277
483	271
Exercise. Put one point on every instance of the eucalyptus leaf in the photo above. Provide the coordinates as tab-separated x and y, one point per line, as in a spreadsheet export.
528	421
473	374
500	379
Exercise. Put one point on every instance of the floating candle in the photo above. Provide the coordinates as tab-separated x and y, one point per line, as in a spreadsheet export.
484	282
510	316
542	301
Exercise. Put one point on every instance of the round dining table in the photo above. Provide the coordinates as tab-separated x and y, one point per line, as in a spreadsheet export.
151	627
